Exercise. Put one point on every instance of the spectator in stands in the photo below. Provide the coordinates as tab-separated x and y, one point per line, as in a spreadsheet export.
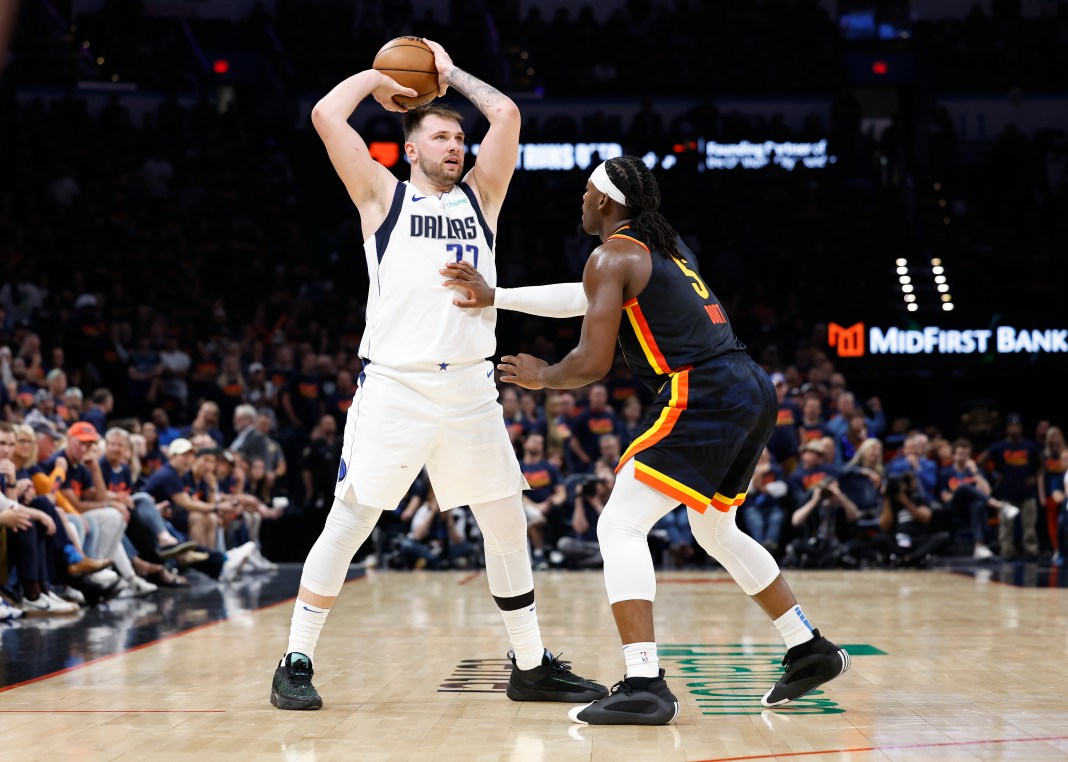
784	442
588	427
248	440
165	432
905	534
846	404
914	458
44	410
206	422
765	504
173	484
1058	491
120	484
152	457
258	482
513	417
82	487
825	523
67	538
1053	467
856	433
302	399
435	539
558	422
73	400
194	518
319	464
101	403
1018	463
543	501
27	533
261	391
630	421
276	457
339	400
532	416
232	387
966	491
864	479
175	363
812	471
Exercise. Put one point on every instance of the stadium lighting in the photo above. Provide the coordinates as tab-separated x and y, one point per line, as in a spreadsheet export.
912	307
902	262
904	279
948	306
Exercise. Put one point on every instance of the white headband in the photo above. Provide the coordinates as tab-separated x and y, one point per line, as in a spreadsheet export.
604	184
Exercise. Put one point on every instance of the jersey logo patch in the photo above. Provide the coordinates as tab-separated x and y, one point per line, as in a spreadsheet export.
344	469
417	198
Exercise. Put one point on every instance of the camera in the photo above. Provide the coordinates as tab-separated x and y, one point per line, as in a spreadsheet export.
588	486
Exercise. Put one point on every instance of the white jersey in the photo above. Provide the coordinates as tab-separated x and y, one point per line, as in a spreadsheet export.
411	320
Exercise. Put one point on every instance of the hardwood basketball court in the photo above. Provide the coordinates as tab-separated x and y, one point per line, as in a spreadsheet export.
411	666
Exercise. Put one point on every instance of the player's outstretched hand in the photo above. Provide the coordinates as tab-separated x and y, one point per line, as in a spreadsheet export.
466	279
522	370
443	61
387	89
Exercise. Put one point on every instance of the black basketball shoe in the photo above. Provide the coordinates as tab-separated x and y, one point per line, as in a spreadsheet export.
634	701
292	687
553	680
808	666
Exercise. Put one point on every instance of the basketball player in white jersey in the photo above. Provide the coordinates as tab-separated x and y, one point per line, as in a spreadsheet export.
427	393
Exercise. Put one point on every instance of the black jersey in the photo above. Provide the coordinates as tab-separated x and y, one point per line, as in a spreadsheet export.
676	321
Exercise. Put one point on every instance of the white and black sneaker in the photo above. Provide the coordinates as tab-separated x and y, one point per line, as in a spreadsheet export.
808	666
633	701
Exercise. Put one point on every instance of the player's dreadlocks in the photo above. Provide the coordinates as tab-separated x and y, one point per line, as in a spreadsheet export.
630	175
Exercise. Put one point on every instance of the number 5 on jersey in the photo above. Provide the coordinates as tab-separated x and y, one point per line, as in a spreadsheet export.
459	249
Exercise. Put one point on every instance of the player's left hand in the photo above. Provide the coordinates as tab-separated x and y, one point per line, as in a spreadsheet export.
522	370
443	62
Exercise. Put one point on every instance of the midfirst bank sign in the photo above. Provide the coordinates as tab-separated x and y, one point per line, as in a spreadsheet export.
858	341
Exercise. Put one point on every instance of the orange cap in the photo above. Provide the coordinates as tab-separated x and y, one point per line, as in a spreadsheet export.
84	432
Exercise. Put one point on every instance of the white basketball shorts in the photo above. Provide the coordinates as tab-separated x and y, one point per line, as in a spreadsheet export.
448	420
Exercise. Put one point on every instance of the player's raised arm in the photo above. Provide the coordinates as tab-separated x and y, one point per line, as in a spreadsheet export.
369	183
499	150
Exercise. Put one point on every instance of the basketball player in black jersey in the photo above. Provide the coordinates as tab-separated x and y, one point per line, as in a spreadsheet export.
714	412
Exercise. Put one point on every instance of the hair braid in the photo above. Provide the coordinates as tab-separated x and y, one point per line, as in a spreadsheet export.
630	175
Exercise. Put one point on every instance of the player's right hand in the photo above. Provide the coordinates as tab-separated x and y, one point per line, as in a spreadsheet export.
444	64
466	279
387	89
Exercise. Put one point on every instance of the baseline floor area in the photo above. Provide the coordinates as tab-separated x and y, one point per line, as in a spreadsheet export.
947	666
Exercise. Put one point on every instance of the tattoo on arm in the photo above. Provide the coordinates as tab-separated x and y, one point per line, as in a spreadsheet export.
475	90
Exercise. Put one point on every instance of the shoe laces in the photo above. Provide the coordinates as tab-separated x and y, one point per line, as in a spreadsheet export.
298	674
622	687
560	667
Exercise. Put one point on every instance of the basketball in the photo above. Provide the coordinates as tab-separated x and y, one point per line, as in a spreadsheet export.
410	62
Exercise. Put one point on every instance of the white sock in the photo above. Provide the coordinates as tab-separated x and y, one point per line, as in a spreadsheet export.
794	627
305	627
642	660
525	636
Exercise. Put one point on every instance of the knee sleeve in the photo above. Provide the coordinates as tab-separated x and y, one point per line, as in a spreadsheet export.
746	560
622	532
347	526
503	524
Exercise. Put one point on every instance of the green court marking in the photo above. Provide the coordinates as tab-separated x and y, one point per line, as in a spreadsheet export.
730	678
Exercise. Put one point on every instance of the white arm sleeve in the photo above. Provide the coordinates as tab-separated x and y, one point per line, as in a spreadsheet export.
558	300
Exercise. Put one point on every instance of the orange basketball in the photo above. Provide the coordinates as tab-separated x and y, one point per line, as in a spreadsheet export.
410	62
